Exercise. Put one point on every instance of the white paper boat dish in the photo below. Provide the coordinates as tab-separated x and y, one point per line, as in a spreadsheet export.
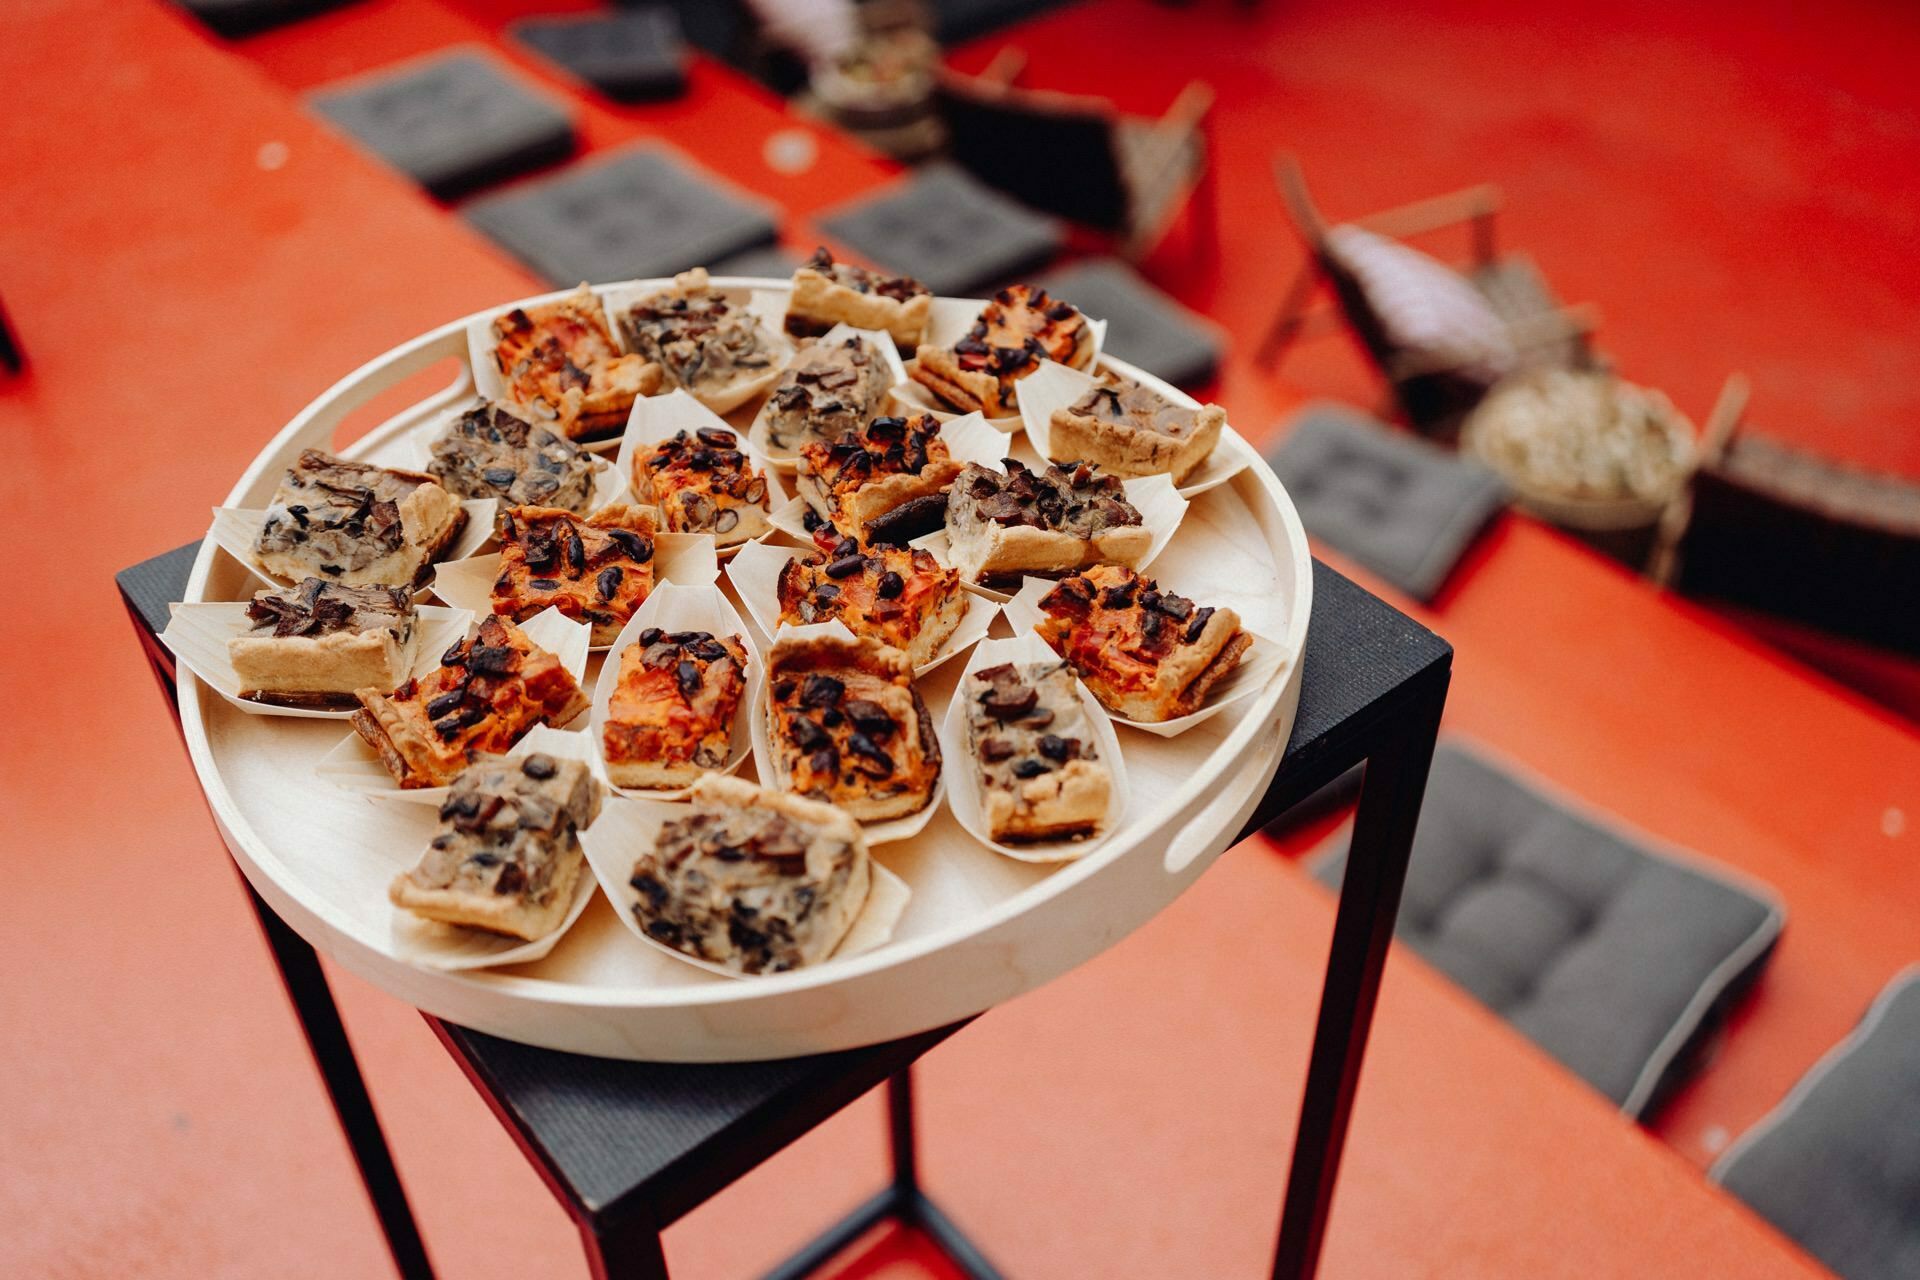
198	634
658	418
673	607
878	833
788	459
755	574
1054	386
1261	664
1161	510
686	558
625	827
608	482
353	766
964	797
237	529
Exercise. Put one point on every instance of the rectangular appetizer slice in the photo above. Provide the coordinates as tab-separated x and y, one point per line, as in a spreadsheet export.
1039	767
596	570
493	451
753	880
704	483
560	363
845	725
1002	526
314	645
826	293
1132	430
356	524
826	391
899	596
1146	654
1020	327
717	352
671	715
488	690
507	855
886	482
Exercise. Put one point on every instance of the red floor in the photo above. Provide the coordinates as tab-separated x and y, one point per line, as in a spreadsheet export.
1732	190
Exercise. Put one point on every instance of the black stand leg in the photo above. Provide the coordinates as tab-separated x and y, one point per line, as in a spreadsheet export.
1396	779
903	1201
11	354
628	1250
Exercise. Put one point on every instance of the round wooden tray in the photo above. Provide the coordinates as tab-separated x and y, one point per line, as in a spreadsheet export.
980	929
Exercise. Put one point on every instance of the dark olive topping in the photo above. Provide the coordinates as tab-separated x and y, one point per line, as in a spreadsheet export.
821	691
1198	624
539	766
1031	768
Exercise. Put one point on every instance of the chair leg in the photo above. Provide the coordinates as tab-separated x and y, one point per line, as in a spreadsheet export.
12	355
1288	321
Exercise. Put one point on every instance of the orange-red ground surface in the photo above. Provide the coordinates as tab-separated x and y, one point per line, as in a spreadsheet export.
1732	189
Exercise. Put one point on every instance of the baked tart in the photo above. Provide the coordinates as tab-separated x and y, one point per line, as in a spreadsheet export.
595	570
1034	754
312	646
356	524
1005	525
1146	654
703	482
507	856
753	880
489	689
1019	328
885	482
1128	429
899	596
559	363
827	391
826	293
671	716
714	349
845	725
494	450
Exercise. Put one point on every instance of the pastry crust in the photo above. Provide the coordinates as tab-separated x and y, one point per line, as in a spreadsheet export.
671	717
559	362
899	596
720	354
507	856
597	570
356	524
1131	430
314	645
703	483
827	392
494	450
1002	526
846	725
1034	754
489	689
1020	327
826	293
1145	654
855	484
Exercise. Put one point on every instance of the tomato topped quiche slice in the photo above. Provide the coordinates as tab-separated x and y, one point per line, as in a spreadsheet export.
559	362
1146	654
596	570
670	719
489	689
1019	328
899	596
703	483
845	725
884	483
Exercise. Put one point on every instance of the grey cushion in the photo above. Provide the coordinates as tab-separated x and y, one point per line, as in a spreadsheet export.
773	261
454	122
1617	960
1837	1165
1400	506
644	211
946	230
1144	326
634	55
233	18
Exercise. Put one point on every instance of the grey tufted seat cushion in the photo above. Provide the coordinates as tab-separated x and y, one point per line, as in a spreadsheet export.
946	230
631	55
1837	1164
1616	959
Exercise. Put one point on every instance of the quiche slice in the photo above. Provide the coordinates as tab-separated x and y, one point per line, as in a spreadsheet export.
718	352
886	482
1020	327
559	363
1004	525
899	596
845	725
314	645
1038	766
826	392
356	524
671	715
703	483
826	293
494	451
1132	430
489	689
1146	654
595	570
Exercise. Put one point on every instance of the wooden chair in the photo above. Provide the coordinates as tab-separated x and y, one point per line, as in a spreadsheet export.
1785	533
1080	159
1434	398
